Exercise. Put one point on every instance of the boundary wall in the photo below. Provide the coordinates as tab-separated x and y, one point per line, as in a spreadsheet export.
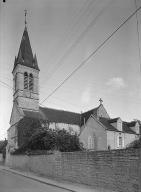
118	170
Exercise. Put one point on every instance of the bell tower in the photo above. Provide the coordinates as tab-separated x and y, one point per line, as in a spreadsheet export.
26	76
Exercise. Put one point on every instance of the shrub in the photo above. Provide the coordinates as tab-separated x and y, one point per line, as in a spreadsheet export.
49	139
135	144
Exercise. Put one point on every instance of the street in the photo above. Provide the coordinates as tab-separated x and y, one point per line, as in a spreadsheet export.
10	182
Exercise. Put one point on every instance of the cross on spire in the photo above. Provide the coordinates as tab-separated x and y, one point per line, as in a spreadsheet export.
101	101
25	13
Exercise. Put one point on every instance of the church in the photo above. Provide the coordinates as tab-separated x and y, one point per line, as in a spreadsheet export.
95	128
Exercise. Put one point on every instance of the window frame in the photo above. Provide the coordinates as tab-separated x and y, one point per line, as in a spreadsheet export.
15	82
26	81
31	82
90	142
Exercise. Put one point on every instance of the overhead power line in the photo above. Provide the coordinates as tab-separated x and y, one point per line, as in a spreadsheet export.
8	86
138	36
68	35
75	43
91	55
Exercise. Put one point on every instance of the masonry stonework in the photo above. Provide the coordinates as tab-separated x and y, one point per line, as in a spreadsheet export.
94	129
118	170
25	98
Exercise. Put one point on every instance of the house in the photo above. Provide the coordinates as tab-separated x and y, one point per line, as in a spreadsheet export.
97	131
100	132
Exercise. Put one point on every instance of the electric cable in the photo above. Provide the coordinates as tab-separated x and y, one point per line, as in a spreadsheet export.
138	36
91	55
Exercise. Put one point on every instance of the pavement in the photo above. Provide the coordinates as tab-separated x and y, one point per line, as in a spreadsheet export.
73	187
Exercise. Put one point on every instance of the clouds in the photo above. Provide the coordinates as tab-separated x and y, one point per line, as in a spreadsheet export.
116	83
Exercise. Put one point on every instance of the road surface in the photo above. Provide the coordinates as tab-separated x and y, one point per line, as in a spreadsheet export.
10	182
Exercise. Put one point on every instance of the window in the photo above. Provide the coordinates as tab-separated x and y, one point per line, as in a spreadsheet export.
25	80
16	82
90	142
120	142
31	82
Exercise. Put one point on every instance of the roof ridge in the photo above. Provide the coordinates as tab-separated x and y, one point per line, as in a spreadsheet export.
58	110
91	109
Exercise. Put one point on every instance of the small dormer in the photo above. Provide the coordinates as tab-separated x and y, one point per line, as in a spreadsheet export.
134	126
117	123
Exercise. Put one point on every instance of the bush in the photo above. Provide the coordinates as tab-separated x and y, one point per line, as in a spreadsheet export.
26	127
49	139
135	144
67	142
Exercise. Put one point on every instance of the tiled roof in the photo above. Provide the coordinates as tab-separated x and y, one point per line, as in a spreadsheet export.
107	124
125	125
34	115
60	116
113	120
85	116
25	55
131	124
126	128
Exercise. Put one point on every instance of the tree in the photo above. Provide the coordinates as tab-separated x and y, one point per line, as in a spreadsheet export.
67	142
135	144
26	127
48	139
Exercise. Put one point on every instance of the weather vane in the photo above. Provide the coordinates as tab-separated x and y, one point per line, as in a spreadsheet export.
25	11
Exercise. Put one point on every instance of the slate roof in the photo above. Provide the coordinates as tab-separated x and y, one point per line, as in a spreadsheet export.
85	116
60	116
126	128
25	55
106	123
113	120
125	125
34	115
54	115
131	124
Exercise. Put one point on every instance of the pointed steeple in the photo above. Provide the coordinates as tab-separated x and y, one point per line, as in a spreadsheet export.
35	62
15	61
19	58
25	55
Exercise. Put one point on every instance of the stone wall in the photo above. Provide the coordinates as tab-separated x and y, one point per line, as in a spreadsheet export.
118	170
97	132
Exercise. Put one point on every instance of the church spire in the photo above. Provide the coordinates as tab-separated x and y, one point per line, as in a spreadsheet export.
25	55
35	62
25	13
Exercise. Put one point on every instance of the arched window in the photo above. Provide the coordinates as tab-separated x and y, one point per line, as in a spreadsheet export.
16	82
31	82
120	141
25	80
90	142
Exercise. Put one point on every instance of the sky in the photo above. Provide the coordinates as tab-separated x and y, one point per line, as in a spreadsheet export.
63	33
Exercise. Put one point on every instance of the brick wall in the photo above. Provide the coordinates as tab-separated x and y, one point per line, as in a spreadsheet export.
114	170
